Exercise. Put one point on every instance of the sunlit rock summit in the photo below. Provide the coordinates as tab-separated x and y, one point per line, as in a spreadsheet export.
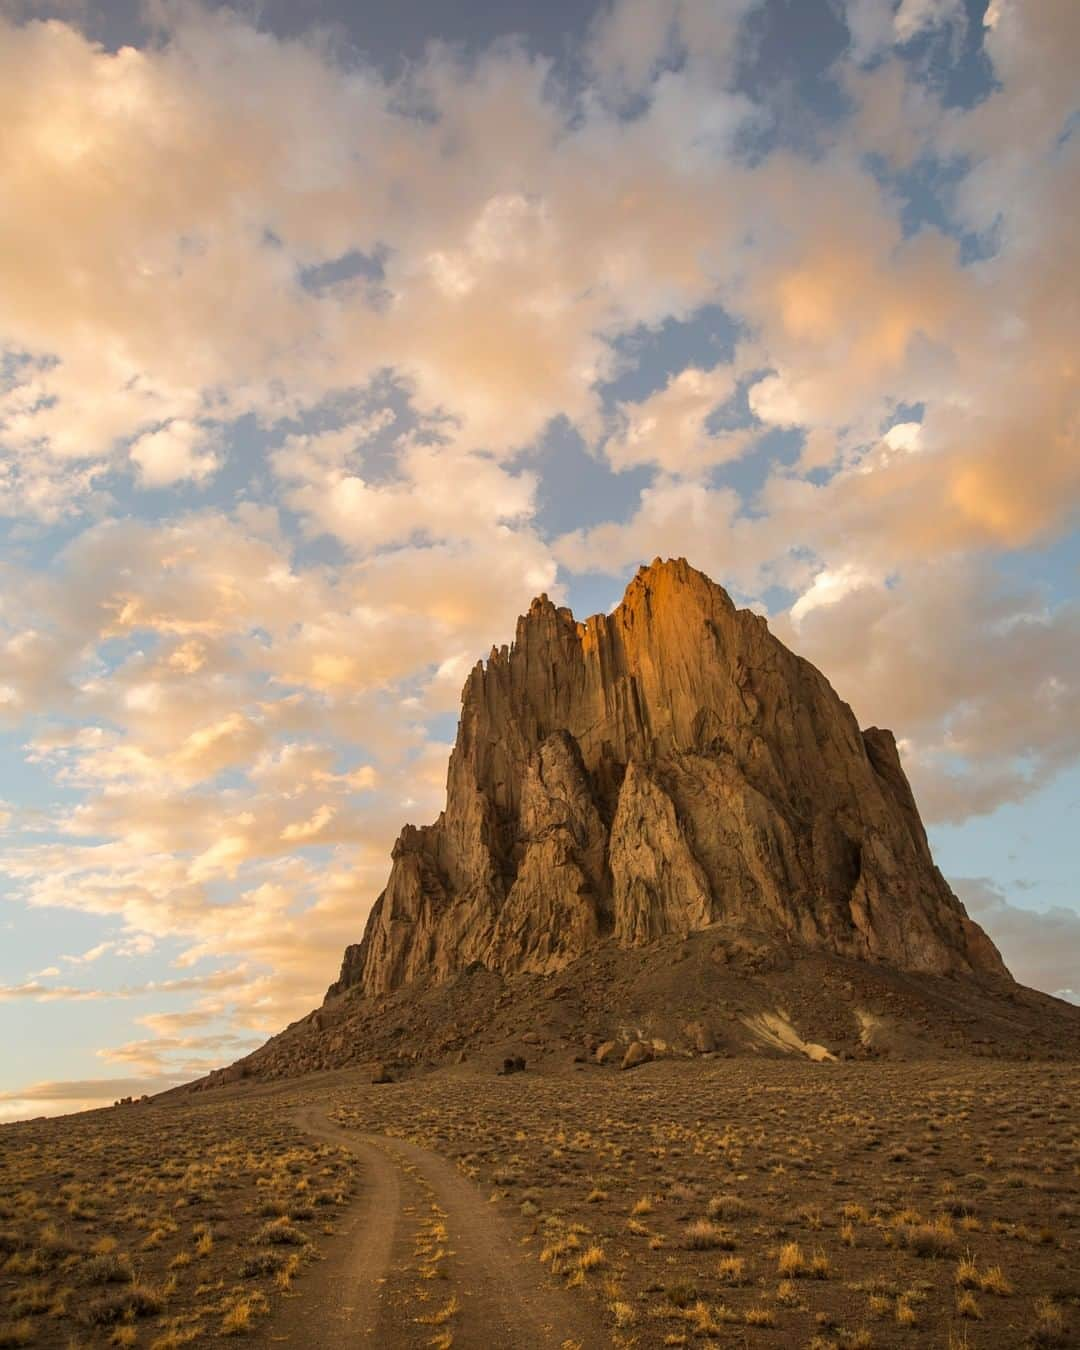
659	770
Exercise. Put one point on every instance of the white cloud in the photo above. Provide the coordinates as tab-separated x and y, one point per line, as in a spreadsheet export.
878	24
675	518
368	516
499	294
629	42
978	678
178	451
906	436
1040	947
139	944
93	954
827	588
670	427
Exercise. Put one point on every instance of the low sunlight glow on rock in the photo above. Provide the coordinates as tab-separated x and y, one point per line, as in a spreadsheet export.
477	481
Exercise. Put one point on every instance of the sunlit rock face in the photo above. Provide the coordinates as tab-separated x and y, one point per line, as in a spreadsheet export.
661	769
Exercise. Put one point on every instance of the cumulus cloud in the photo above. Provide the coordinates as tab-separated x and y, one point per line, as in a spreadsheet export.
225	659
368	516
496	289
829	587
875	25
977	677
675	518
179	450
671	427
1040	947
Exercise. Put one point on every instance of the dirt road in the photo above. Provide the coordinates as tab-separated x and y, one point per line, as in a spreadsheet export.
426	1261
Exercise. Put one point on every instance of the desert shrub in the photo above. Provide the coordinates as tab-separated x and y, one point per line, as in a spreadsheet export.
106	1268
928	1240
53	1247
704	1235
959	1206
281	1233
967	1273
967	1305
262	1263
680	1295
591	1258
1049	1331
31	1298
819	1267
994	1281
905	1314
729	1207
16	1333
624	1314
240	1316
124	1304
731	1270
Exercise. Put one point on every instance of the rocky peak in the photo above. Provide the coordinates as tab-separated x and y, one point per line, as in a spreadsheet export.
661	769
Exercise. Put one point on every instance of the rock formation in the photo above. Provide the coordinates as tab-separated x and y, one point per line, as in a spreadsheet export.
660	770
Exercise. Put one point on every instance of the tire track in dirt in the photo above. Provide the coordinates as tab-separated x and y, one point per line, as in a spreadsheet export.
426	1262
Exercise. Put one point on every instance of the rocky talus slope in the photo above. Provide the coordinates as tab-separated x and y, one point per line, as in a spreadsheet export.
656	771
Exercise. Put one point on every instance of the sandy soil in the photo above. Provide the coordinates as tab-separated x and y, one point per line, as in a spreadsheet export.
755	1202
425	1240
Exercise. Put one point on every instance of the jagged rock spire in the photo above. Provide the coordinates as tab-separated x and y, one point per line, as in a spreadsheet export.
660	769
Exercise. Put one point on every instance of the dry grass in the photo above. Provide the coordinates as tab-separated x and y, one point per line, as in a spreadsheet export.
442	1316
704	1236
591	1258
879	1180
242	1314
891	1184
731	1270
132	1226
1049	1330
967	1305
791	1263
937	1240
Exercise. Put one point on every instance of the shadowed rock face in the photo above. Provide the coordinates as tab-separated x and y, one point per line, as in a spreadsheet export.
658	770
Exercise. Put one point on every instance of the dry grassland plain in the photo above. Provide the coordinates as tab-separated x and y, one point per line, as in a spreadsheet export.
770	1203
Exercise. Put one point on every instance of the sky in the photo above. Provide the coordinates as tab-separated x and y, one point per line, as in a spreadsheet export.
330	334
